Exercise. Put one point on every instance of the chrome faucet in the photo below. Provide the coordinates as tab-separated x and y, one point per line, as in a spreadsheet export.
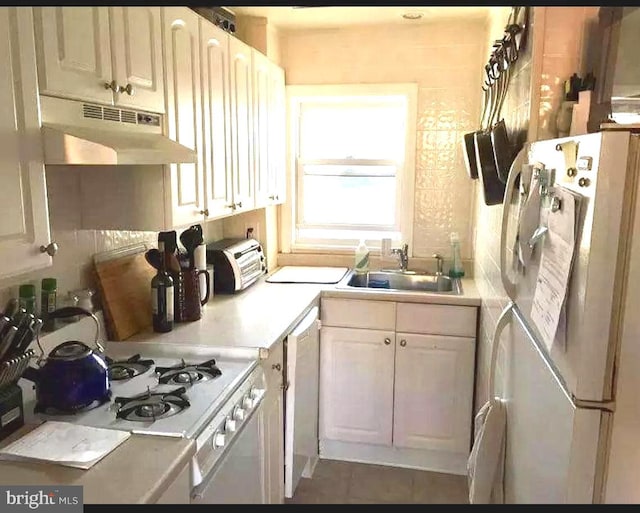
403	256
439	261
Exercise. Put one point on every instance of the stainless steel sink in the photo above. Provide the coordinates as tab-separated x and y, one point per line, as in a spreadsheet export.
402	280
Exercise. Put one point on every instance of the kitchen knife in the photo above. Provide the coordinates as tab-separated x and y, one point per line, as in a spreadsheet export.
11	307
5	322
6	344
23	337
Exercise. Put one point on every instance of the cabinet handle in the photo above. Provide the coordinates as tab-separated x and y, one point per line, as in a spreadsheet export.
387	341
50	249
232	206
204	212
277	367
403	343
112	85
129	89
239	204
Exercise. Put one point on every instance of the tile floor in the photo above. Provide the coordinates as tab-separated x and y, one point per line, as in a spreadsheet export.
341	482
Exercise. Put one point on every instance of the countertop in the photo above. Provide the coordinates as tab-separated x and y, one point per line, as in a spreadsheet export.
263	314
257	317
136	472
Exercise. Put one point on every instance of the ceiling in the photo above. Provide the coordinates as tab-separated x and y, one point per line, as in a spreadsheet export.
325	17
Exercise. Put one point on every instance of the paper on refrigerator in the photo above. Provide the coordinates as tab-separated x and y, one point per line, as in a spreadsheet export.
555	269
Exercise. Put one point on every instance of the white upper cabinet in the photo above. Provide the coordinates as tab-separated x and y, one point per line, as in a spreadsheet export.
184	113
74	52
277	186
109	55
218	179
241	124
24	223
261	117
136	47
269	131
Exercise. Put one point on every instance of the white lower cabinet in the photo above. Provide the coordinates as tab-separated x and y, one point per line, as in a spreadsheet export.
433	392
272	426
356	391
396	397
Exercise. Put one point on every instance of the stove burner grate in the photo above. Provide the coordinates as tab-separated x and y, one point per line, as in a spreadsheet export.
151	406
129	368
188	374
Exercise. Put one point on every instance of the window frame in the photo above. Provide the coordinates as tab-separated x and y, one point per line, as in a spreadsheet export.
405	174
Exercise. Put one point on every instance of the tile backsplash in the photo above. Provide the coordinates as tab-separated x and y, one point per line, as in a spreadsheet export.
443	58
73	264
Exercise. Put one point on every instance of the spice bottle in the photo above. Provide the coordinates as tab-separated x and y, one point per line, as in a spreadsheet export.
48	302
27	297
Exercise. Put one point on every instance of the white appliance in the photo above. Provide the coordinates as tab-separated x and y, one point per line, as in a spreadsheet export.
573	417
77	132
210	394
301	402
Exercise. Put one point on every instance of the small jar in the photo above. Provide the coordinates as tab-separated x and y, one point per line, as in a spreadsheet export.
85	299
69	300
27	297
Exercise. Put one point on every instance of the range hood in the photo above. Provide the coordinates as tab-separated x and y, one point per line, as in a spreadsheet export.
81	133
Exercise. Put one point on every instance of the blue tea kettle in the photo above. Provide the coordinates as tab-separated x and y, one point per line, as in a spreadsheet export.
74	376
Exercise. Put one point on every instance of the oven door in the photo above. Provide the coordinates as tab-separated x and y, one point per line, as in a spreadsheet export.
237	476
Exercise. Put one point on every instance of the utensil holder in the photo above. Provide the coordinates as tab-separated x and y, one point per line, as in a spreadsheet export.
12	369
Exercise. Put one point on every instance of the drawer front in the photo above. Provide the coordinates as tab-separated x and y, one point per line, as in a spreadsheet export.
354	313
437	319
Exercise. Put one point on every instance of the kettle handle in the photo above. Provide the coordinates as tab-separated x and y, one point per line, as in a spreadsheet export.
71	311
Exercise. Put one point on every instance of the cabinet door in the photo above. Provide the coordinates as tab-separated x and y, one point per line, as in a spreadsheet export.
356	385
273	426
241	124
136	38
261	115
214	45
184	112
433	392
277	170
74	52
24	223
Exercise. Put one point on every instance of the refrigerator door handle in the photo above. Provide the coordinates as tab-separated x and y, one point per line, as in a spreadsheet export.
503	320
514	173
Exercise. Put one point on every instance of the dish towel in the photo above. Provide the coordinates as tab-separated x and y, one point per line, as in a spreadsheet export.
485	466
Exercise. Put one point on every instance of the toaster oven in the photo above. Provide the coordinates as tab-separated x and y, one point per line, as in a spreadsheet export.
237	263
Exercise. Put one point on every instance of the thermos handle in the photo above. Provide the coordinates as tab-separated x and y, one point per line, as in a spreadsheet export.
208	280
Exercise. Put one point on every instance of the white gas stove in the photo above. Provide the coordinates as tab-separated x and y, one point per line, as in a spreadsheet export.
169	389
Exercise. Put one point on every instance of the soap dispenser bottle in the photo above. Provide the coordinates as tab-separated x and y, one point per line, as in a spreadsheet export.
456	270
362	258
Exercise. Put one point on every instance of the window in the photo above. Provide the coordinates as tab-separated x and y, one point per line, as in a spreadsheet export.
352	151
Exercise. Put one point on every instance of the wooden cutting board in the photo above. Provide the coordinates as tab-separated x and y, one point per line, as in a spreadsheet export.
125	287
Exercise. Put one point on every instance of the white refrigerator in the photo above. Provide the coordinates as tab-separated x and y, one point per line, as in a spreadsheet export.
571	373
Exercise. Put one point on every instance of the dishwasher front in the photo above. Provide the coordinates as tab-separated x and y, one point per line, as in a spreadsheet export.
301	401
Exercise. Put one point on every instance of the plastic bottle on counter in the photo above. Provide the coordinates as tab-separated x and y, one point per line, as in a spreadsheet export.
456	270
362	258
27	297
49	287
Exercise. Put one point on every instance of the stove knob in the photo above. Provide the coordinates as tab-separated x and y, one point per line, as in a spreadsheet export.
255	393
238	413
247	403
230	425
217	440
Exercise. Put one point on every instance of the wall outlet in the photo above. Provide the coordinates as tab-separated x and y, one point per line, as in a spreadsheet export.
252	230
